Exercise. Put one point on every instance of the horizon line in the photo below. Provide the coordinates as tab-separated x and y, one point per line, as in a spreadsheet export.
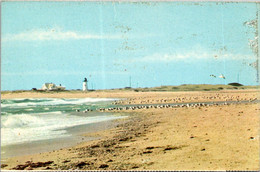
127	87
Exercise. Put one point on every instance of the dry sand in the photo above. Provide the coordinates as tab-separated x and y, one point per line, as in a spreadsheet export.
222	137
135	96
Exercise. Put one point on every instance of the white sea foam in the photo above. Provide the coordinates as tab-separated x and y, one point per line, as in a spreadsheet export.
28	109
19	123
21	128
53	101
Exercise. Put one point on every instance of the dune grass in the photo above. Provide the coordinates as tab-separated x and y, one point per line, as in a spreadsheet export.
194	87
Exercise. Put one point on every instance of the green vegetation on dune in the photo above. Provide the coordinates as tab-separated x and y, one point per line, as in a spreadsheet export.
199	87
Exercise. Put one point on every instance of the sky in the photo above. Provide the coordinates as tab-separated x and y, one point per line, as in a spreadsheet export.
111	43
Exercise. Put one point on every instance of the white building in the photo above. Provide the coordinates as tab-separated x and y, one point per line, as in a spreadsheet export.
51	86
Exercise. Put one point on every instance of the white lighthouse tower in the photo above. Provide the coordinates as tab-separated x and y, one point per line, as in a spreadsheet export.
85	85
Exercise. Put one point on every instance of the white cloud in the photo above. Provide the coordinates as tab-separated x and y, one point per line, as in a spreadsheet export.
62	73
55	34
190	56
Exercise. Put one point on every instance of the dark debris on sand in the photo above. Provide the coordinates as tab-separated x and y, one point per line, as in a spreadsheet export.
105	150
31	165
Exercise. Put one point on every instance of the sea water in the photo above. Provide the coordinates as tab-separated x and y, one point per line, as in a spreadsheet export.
29	120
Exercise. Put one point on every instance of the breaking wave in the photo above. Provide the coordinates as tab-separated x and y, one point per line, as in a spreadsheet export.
20	128
50	102
27	120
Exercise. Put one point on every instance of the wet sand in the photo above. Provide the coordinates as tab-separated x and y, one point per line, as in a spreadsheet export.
77	135
224	137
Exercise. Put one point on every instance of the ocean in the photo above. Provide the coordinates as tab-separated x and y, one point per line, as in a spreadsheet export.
39	119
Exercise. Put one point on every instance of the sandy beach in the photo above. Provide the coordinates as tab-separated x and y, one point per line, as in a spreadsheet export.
143	97
122	85
217	137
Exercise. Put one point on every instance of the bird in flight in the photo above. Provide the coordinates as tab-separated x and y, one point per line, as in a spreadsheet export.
222	76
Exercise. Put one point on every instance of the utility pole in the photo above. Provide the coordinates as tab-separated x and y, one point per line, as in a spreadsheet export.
130	82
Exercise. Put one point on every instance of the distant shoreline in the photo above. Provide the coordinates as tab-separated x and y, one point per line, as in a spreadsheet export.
125	92
111	94
183	87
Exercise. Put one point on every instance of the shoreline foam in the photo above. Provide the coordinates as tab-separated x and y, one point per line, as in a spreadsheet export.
78	134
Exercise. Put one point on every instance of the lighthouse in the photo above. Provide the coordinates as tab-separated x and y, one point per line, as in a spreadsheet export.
85	85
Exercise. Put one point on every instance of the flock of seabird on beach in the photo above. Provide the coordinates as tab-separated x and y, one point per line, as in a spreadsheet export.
121	105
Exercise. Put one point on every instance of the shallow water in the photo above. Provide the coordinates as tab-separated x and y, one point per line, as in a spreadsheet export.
76	137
